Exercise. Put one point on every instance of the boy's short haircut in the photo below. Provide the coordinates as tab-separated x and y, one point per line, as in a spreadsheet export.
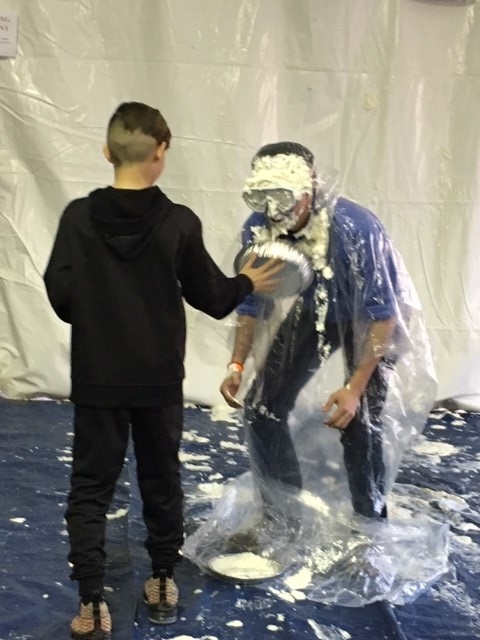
134	130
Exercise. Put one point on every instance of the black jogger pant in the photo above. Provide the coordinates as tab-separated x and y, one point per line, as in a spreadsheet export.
100	442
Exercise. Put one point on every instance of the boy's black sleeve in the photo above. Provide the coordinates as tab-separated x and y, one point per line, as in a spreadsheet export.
58	274
204	286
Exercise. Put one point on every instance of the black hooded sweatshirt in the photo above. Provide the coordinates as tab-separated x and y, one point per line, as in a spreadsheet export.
121	263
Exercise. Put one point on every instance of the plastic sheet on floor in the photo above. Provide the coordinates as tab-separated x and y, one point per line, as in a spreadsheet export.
438	479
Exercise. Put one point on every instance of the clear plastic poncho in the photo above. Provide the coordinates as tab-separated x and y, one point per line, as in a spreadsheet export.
316	499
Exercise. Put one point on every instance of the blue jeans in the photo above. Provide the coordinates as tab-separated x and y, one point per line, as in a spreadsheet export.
292	360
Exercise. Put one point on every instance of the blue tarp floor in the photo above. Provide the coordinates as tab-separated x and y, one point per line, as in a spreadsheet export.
37	598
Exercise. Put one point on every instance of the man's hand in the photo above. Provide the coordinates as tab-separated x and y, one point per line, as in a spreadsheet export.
229	389
347	399
347	403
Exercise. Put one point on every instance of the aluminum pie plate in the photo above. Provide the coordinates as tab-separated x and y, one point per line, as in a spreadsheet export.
245	568
297	273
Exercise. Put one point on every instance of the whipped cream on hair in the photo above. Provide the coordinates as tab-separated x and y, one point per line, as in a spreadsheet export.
284	171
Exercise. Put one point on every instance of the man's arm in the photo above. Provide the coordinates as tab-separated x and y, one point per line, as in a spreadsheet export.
244	334
347	399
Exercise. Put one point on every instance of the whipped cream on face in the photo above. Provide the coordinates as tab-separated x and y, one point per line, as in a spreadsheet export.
313	241
290	171
282	171
283	222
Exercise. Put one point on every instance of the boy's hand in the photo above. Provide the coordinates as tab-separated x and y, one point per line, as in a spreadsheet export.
262	277
229	389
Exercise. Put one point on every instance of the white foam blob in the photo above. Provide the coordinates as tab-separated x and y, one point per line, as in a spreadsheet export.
245	566
430	448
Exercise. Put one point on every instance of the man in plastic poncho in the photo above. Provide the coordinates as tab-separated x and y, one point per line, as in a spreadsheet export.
360	302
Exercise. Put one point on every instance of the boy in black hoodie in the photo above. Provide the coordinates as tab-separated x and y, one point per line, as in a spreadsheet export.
123	259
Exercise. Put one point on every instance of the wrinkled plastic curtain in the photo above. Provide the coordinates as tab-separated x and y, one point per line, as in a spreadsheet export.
385	92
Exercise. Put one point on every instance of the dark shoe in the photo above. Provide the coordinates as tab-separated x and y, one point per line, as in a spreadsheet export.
264	532
243	541
160	594
93	622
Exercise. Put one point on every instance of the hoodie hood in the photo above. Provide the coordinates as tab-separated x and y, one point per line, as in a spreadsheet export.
125	218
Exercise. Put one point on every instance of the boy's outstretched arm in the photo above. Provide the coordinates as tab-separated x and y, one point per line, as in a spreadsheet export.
204	285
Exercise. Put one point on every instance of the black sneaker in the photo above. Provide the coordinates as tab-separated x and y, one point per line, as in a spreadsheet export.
160	594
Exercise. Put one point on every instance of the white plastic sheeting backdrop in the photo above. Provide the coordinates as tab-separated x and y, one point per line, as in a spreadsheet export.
385	92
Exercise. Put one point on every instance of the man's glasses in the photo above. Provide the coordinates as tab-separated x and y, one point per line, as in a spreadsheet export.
282	200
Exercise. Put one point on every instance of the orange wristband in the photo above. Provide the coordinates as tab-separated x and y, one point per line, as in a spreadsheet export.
235	367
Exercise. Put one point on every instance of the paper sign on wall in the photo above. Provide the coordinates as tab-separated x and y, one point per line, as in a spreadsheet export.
8	33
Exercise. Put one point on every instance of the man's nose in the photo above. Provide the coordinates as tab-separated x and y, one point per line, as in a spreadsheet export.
271	205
